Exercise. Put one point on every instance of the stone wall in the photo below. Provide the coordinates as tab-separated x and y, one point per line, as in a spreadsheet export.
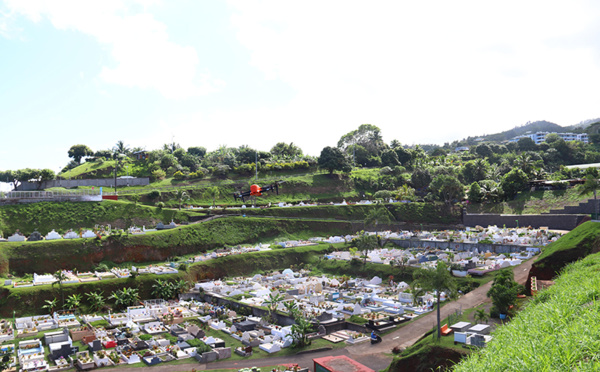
99	182
552	221
461	247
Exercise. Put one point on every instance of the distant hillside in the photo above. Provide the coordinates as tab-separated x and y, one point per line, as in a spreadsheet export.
536	126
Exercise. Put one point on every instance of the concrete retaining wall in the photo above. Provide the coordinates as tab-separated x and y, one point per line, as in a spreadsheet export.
98	182
552	221
462	247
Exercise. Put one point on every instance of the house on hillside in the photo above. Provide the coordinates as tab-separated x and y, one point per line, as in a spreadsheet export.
140	155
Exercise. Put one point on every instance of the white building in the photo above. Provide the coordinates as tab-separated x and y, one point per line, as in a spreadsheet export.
539	137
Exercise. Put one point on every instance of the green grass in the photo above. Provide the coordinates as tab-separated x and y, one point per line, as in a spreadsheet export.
62	216
584	236
535	202
557	331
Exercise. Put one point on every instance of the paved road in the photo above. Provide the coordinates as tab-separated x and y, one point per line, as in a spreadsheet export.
377	356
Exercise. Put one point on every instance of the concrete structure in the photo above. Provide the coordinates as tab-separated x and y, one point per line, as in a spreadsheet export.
340	363
552	221
98	182
539	137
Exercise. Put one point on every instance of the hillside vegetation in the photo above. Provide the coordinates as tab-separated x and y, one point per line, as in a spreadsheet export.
557	331
46	216
49	256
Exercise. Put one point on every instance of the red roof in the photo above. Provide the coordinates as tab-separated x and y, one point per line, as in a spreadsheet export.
341	363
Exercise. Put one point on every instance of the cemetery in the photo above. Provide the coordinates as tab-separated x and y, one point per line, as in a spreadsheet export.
254	316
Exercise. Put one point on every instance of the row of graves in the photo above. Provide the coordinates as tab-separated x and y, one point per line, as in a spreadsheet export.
83	277
524	236
328	301
155	332
463	262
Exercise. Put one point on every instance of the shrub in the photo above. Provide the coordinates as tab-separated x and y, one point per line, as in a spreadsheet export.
160	205
154	194
179	175
158	174
145	337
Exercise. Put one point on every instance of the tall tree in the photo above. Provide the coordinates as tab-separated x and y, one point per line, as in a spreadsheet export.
365	243
213	192
59	278
378	216
367	135
333	159
77	152
181	195
121	148
439	280
504	290
286	151
447	188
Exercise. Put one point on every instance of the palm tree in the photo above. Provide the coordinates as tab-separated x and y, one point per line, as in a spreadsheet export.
439	280
121	148
181	195
50	305
273	300
60	277
366	243
96	300
378	215
73	301
480	316
213	192
179	287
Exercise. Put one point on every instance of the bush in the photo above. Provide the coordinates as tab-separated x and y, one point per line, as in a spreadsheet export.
158	174
179	175
154	194
357	319
160	205
145	337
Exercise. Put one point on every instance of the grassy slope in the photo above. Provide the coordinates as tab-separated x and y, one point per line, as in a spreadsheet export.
584	236
411	213
558	331
73	215
534	202
48	256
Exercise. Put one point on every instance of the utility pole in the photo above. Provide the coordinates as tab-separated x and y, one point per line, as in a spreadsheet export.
256	164
116	164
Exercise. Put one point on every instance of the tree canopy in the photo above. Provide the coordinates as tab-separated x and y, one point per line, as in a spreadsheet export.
333	159
78	152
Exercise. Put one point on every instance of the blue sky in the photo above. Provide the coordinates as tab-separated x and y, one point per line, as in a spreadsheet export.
210	73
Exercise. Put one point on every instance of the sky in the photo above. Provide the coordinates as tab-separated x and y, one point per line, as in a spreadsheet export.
212	73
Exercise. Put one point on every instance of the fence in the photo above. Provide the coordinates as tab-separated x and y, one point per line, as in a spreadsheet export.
60	195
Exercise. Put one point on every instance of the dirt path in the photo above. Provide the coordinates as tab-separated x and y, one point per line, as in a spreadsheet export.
377	356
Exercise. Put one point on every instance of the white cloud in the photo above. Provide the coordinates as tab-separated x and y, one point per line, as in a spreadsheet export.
424	71
143	55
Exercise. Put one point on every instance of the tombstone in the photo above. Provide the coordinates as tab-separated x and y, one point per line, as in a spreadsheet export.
8	282
232	314
94	346
318	287
287	342
71	235
322	331
233	329
88	234
17	237
35	236
223	352
357	310
376	280
245	336
53	235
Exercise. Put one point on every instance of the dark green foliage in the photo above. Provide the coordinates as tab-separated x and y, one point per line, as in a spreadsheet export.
504	290
513	182
333	159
